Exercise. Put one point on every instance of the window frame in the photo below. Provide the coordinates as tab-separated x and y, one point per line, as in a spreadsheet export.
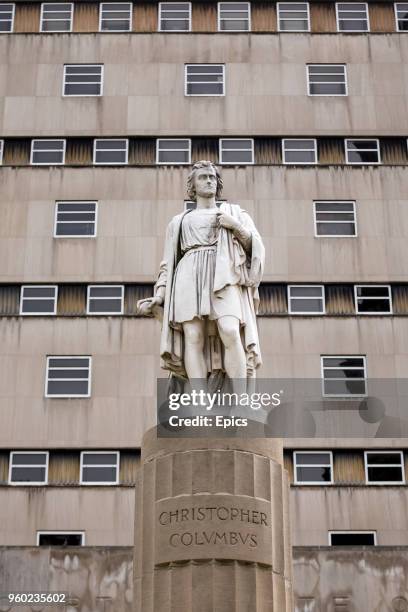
352	531
306	313
166	163
316	222
159	18
13	14
385	482
64	395
1	151
27	483
278	20
71	18
370	314
343	395
317	482
99	483
224	84
248	4
102	82
331	95
100	19
349	19
315	150
110	314
38	314
396	16
346	152
41	532
74	235
62	163
95	163
226	163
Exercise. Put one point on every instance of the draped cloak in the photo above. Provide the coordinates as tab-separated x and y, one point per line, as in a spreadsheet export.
233	266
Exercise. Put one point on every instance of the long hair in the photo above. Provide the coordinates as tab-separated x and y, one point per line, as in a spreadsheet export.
191	192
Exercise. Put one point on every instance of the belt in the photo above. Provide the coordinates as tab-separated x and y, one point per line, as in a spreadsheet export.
203	247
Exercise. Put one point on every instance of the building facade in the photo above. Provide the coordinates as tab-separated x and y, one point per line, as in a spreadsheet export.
103	107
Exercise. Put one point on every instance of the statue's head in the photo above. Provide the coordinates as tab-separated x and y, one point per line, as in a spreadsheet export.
192	178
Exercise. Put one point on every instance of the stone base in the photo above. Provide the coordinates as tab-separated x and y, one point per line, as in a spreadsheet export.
212	527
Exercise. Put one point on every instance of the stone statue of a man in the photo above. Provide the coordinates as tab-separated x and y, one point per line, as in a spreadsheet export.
208	285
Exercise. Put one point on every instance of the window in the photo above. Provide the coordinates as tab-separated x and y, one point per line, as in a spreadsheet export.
99	468
384	467
110	152
38	300
28	468
75	219
60	538
313	467
115	17
401	16
352	17
335	218
299	151
359	151
105	299
344	375
352	538
1	151
373	299
173	151
306	299
56	17
326	80
68	377
236	151
205	80
293	17
175	16
83	80
6	17
234	16
47	152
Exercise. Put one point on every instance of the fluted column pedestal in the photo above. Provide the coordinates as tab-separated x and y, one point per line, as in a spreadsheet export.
212	526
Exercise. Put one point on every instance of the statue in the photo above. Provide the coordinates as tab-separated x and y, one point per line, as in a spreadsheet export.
207	287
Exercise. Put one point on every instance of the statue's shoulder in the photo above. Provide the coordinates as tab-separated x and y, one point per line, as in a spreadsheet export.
232	208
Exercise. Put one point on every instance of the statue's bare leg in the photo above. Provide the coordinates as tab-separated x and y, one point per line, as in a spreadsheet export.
234	353
195	364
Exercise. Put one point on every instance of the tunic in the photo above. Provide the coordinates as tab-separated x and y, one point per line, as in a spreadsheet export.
193	291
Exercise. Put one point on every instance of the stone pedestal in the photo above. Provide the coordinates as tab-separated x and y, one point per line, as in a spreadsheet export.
212	526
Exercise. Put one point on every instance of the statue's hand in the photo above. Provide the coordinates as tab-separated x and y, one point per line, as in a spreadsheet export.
227	221
147	306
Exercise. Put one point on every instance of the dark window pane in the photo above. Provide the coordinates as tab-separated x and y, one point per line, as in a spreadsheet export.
44	306
237	157
299	305
344	387
312	458
385	474
30	474
173	157
110	157
105	305
343	361
60	539
328	89
99	474
338	229
75	206
84	89
352	539
75	229
205	89
100	458
373	305
38	292
313	474
68	373
105	291
176	24
29	459
383	458
82	217
62	387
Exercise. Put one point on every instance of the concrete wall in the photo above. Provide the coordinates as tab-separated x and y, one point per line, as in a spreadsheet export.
125	365
144	85
100	579
135	205
105	514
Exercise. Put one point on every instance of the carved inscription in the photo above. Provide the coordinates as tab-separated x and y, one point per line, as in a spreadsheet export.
213	527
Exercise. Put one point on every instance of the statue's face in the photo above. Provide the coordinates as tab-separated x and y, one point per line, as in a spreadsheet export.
205	182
